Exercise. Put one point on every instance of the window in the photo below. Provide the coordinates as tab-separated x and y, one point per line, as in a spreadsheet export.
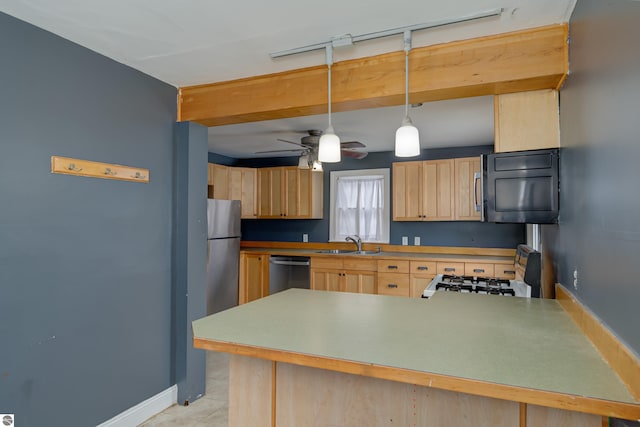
359	205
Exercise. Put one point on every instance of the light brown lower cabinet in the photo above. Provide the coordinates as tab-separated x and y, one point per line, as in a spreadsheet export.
421	275
344	275
253	280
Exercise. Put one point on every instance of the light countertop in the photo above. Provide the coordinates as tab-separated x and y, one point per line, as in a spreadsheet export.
516	342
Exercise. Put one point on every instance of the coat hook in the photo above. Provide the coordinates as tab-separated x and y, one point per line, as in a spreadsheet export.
138	176
72	167
108	171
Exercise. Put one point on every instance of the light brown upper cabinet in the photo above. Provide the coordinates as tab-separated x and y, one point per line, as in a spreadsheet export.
289	193
435	190
526	121
231	183
242	186
220	182
467	190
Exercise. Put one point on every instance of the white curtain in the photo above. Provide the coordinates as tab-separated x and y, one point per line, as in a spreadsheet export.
359	207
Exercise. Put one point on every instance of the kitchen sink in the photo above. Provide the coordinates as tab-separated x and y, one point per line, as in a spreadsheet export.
365	252
347	252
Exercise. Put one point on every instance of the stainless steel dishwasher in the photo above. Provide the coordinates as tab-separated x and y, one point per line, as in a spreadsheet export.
288	272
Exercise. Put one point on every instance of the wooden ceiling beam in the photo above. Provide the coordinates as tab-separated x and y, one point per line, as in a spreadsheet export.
512	62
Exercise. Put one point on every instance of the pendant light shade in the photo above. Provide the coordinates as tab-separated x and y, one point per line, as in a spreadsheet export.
329	144
407	137
329	147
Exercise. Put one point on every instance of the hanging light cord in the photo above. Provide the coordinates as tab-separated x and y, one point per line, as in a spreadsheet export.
329	64
407	48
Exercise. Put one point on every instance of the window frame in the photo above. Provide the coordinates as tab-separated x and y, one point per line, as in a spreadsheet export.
386	211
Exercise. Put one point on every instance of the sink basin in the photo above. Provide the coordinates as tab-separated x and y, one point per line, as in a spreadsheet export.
365	252
346	252
336	251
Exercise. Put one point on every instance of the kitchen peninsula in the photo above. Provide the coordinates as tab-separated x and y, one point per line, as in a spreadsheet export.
303	357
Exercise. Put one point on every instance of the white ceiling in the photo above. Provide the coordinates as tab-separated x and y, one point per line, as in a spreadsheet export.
195	41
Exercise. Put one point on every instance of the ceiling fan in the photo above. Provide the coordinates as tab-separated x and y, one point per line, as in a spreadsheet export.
308	146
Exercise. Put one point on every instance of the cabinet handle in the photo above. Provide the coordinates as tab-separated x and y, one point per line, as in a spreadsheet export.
392	285
449	269
478	270
392	267
422	268
509	272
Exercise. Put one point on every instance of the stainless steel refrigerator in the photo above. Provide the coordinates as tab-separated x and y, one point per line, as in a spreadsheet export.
223	254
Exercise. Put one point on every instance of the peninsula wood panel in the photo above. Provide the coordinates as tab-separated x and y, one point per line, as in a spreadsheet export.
520	61
251	391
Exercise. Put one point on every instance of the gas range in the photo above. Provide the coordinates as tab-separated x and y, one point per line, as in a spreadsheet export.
477	285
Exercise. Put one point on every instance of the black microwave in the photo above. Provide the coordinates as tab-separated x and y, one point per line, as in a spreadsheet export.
521	187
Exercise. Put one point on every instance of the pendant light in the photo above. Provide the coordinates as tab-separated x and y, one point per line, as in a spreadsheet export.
329	144
407	138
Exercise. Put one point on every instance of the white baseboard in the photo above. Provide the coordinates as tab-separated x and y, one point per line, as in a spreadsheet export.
144	410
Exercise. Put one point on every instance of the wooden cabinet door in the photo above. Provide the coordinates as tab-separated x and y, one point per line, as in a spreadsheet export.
220	182
234	176
407	191
210	174
326	280
419	283
254	277
363	282
393	284
527	121
270	191
248	192
467	189
437	197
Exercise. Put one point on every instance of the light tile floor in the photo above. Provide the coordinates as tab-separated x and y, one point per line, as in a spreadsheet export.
211	410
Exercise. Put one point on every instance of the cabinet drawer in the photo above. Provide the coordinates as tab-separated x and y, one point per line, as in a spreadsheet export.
456	268
332	262
392	266
505	271
360	264
478	269
423	267
393	284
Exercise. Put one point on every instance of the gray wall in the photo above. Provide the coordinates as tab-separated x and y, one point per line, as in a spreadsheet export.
442	233
85	264
599	229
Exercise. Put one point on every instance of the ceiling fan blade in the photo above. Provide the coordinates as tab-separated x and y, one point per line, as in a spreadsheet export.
294	143
352	144
291	150
354	154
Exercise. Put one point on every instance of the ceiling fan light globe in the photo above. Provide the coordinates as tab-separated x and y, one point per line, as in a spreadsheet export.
329	147
407	141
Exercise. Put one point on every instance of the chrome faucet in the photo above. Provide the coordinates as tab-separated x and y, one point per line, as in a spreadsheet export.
356	240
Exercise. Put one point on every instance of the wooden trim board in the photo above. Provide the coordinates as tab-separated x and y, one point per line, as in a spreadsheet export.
519	61
444	382
88	168
621	359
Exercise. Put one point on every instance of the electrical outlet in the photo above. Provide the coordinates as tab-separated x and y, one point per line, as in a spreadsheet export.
405	240
305	237
575	279
416	241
